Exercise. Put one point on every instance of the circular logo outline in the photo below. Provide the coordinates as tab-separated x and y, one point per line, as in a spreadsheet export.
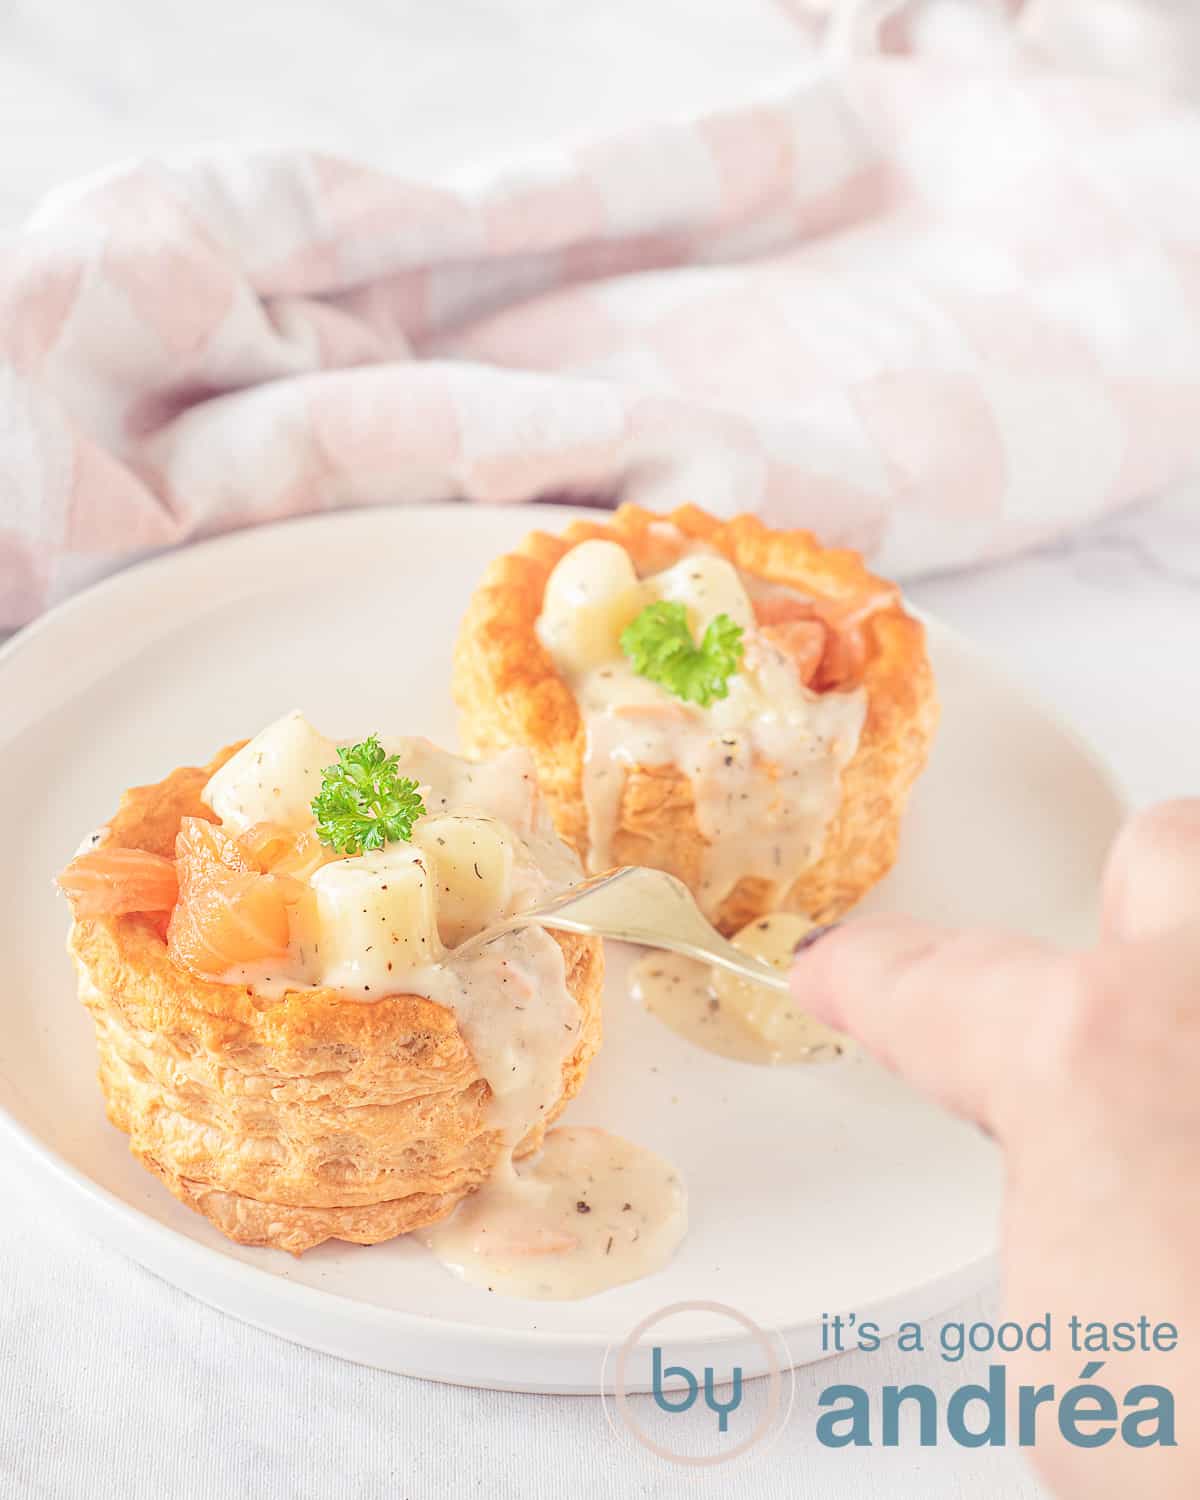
773	1374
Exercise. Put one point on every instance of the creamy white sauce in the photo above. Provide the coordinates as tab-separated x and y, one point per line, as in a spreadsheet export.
764	763
503	788
523	1232
734	1017
588	1212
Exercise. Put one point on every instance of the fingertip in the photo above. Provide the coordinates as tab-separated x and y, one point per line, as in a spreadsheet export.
813	935
815	996
845	968
809	976
948	1010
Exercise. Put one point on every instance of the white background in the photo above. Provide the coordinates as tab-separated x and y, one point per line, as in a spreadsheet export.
111	1382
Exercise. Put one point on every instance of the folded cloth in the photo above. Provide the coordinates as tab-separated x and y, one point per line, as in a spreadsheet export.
936	314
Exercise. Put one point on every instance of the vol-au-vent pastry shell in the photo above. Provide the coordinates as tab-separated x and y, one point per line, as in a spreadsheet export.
510	690
291	1120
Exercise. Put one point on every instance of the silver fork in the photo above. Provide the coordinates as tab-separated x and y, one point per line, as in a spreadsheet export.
633	905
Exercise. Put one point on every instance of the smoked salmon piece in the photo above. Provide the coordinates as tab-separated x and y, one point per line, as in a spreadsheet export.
782	609
279	850
844	659
804	641
229	912
114	882
532	1239
843	643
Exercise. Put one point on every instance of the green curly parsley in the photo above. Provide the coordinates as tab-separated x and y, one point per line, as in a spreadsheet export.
364	802
659	644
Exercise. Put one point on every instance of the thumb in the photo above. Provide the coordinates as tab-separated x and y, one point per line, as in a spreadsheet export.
952	1012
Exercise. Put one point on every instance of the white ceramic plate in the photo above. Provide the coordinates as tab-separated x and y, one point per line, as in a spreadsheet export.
812	1190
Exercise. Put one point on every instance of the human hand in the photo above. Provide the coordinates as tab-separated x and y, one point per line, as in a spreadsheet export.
1085	1067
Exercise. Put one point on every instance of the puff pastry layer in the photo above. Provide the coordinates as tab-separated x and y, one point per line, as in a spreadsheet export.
295	1120
509	692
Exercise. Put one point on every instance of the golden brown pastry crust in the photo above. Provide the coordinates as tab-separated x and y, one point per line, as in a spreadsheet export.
288	1122
509	692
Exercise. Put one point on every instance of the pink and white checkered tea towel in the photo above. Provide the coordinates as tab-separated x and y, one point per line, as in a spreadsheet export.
937	315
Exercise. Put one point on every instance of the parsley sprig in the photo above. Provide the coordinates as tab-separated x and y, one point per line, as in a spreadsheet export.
364	802
659	644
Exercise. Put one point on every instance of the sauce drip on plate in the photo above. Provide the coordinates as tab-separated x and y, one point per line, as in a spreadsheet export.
588	1212
734	1017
